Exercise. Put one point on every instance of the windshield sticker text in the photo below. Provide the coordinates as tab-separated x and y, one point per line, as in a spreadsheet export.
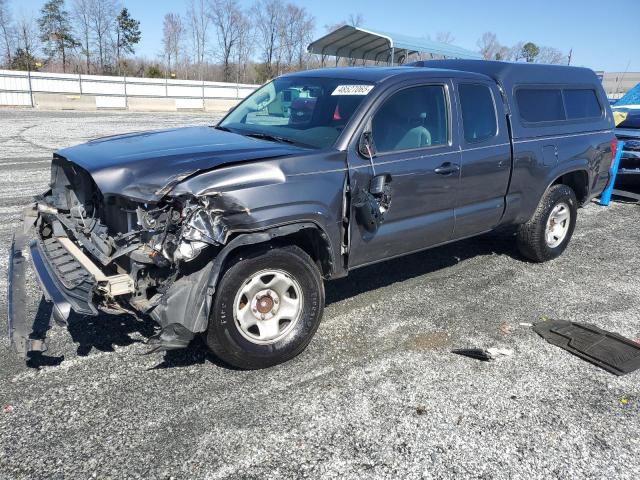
352	89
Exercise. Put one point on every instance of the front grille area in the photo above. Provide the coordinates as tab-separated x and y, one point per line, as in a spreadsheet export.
69	271
75	281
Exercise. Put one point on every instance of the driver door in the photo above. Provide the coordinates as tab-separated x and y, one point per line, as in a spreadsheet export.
414	144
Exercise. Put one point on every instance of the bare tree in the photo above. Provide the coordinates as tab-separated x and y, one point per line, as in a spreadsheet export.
355	19
267	15
172	39
551	55
102	15
28	43
82	15
226	18
305	29
488	45
289	31
445	37
515	52
199	22
503	53
7	31
244	50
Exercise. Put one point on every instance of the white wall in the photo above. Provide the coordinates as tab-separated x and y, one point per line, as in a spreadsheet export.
111	92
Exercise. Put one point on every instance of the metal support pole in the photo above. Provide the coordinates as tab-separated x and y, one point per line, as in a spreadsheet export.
80	82
393	52
126	99
30	88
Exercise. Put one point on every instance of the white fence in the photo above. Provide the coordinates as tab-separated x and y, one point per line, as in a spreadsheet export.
17	88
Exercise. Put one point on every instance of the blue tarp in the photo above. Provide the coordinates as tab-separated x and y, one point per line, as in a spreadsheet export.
632	97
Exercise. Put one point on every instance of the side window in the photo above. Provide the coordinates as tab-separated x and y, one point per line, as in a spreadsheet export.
540	104
413	118
581	103
478	112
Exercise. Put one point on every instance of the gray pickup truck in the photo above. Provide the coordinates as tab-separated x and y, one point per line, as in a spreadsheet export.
230	230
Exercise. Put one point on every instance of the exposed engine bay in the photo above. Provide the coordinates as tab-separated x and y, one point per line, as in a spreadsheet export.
152	246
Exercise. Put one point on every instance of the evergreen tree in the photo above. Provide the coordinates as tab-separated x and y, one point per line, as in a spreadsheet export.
530	51
127	34
56	31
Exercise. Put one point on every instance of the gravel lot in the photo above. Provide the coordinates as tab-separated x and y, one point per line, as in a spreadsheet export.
376	395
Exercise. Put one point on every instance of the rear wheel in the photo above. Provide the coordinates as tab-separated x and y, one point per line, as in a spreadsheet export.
546	235
267	307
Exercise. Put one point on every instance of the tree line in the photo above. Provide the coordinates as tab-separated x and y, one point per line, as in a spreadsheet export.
492	49
209	40
86	36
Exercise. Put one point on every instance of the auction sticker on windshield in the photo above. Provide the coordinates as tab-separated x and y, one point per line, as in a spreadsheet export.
352	89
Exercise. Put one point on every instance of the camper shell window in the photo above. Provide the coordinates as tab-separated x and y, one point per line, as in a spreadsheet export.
539	104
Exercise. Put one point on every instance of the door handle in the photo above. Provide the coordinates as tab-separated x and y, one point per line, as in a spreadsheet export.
447	168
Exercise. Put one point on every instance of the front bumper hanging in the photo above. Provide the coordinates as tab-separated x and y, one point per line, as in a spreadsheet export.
67	277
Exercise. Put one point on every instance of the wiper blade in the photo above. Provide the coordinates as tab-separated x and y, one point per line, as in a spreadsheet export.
268	137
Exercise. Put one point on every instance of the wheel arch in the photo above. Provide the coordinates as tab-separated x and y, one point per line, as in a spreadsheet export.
577	180
307	235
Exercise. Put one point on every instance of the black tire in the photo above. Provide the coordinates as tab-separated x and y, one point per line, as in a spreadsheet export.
531	235
224	337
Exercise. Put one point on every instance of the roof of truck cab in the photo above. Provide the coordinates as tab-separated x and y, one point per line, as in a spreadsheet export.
510	74
379	74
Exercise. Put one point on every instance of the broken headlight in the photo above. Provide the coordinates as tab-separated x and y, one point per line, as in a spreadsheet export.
185	231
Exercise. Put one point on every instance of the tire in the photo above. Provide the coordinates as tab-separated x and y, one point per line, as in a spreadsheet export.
532	238
256	346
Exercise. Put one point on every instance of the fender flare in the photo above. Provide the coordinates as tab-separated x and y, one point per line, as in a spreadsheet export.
256	238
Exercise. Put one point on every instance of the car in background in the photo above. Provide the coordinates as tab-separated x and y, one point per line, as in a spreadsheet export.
629	132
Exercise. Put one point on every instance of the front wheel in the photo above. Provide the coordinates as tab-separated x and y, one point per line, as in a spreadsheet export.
267	307
546	235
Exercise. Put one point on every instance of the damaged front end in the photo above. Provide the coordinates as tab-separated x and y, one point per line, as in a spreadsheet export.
117	255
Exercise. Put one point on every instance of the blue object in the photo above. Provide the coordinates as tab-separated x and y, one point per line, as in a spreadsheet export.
632	97
605	198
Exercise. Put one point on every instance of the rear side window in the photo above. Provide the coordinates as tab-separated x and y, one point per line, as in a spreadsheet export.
478	112
540	104
581	103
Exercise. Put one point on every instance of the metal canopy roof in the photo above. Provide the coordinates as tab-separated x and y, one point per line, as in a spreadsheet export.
361	44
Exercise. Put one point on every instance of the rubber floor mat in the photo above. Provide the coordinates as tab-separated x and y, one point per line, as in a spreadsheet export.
607	350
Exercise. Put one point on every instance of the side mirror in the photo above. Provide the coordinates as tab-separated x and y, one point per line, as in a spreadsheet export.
366	147
378	184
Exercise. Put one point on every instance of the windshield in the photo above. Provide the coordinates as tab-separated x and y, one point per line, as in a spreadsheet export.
308	111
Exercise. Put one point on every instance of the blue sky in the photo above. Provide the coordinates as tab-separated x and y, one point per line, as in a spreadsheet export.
587	26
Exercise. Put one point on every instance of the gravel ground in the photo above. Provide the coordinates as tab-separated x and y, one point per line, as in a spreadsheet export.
376	395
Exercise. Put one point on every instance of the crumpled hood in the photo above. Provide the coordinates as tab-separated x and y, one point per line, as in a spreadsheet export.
145	166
